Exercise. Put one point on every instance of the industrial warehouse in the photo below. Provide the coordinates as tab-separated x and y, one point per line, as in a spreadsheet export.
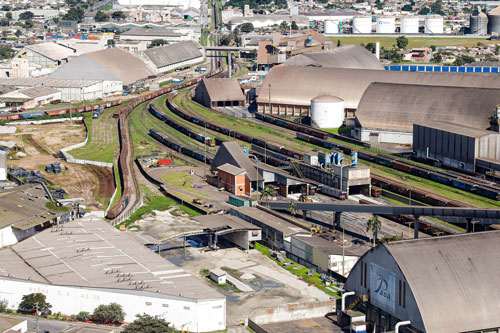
439	284
82	264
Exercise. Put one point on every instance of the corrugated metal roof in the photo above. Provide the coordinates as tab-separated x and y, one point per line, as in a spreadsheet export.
223	89
173	53
292	85
231	169
230	152
399	106
113	64
457	128
38	91
52	50
151	32
454	279
350	56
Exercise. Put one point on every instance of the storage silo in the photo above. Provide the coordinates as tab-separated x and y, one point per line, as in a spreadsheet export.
410	24
331	27
327	111
434	25
479	24
362	25
3	166
385	24
494	21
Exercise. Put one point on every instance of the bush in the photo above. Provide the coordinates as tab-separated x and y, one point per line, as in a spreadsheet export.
109	313
83	316
3	305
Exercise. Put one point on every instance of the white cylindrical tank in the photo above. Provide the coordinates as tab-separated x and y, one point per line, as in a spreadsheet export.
327	111
434	25
362	25
385	25
331	27
3	166
409	24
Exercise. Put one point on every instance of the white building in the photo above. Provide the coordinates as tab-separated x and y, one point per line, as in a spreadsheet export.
29	98
218	275
88	262
165	58
168	3
3	165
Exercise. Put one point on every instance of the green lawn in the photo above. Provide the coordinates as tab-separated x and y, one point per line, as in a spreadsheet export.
99	131
181	180
388	42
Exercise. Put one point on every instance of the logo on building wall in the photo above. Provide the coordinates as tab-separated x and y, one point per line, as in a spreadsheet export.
382	287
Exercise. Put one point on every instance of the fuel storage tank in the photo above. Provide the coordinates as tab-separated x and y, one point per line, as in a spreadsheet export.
327	111
385	24
332	27
434	25
410	24
362	25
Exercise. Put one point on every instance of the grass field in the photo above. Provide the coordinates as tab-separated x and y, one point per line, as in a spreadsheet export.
103	144
388	42
181	180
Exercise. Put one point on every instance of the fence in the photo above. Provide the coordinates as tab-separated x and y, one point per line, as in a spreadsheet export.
44	121
445	69
126	214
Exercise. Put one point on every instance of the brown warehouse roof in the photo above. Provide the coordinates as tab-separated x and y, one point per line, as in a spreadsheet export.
299	85
399	106
223	89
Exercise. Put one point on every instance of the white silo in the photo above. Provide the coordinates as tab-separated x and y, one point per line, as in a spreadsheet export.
385	24
362	25
410	24
327	111
331	27
434	25
3	166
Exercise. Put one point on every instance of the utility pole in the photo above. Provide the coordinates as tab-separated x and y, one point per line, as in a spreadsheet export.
36	314
343	251
205	159
270	110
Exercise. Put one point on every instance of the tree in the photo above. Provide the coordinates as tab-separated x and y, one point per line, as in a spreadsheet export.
225	40
148	324
118	15
29	302
391	238
374	225
283	27
28	24
74	14
292	208
111	42
83	316
462	60
402	42
267	193
6	52
246	27
436	7
8	15
4	304
437	58
407	8
371	47
424	11
6	8
101	16
4	22
378	4
18	33
26	16
295	26
109	313
157	42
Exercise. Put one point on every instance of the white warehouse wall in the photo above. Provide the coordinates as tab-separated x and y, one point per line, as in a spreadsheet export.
195	315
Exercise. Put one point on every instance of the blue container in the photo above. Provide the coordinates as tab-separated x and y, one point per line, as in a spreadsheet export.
354	158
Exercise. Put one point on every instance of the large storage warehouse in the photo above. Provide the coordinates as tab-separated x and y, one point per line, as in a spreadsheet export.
387	112
441	284
114	66
219	92
165	58
88	262
455	145
349	56
293	88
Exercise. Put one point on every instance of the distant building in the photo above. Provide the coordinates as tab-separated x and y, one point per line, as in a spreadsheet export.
47	54
170	3
219	92
263	21
232	179
168	57
30	97
132	46
437	284
170	36
218	275
230	13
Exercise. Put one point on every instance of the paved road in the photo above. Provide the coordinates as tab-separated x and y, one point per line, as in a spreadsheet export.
54	326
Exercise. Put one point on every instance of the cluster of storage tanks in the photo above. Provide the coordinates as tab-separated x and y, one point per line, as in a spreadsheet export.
387	25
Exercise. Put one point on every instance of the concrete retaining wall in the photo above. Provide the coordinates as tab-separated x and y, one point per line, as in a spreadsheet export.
295	311
44	121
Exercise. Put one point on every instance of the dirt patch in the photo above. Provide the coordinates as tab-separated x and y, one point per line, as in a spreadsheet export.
106	185
36	145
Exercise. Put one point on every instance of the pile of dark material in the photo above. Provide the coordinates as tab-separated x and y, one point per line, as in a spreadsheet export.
29	176
53	168
58	193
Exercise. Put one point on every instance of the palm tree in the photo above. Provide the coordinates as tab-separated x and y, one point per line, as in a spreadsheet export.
267	192
292	208
374	225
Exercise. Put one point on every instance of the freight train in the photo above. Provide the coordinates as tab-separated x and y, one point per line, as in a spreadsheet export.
290	152
443	177
165	140
37	114
122	113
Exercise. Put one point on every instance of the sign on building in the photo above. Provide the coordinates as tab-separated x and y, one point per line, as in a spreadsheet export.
383	288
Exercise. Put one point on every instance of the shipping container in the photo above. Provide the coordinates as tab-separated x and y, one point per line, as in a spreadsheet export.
165	162
238	202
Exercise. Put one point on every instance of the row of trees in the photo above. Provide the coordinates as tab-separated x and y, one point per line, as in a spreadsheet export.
112	313
101	16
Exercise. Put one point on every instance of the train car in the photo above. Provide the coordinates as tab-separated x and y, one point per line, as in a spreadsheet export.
401	166
32	115
332	192
55	112
383	160
487	192
464	185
